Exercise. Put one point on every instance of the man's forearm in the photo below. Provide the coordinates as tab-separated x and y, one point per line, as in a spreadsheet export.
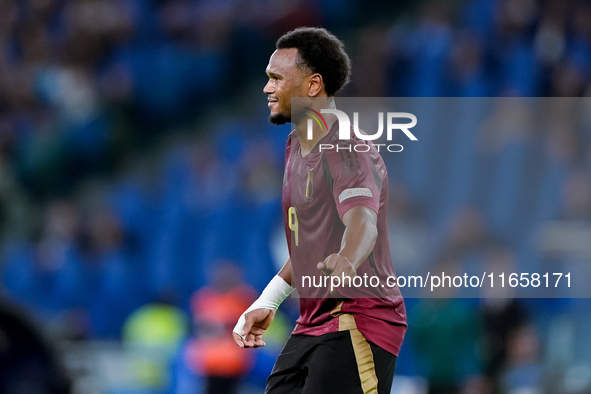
360	235
285	272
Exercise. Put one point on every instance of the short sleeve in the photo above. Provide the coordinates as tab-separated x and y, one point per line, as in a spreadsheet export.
355	180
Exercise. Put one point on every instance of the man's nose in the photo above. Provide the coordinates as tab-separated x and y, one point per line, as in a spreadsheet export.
268	89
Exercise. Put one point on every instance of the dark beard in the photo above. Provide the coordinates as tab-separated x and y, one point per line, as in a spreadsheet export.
279	119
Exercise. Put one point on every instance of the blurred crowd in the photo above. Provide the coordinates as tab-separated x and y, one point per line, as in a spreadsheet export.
103	214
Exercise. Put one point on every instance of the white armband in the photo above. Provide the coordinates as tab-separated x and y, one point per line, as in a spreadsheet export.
276	291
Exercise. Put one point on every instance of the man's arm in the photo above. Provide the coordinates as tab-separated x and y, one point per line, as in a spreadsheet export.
359	239
285	272
257	318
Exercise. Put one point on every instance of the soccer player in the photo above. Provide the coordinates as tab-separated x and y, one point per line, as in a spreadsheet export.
334	204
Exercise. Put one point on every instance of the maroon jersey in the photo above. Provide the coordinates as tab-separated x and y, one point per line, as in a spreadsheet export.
318	190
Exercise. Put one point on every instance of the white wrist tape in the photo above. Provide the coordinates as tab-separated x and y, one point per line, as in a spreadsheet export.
276	291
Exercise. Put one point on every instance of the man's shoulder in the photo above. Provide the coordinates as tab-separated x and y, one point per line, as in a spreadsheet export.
337	150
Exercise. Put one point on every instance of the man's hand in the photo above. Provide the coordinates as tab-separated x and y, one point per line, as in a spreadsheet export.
337	265
257	321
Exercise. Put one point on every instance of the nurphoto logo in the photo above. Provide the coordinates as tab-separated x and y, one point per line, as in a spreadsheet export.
345	129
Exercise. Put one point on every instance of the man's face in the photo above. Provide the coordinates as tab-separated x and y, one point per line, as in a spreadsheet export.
286	80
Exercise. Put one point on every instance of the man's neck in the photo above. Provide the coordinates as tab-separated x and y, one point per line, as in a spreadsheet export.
306	145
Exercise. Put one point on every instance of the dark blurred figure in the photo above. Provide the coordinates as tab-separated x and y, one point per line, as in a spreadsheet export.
445	338
501	315
523	372
216	308
27	363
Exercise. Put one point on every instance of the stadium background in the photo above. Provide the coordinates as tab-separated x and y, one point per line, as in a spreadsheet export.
140	185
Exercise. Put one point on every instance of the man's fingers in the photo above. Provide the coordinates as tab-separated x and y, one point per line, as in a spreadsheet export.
253	341
338	271
250	328
322	266
343	272
238	339
249	340
258	341
249	319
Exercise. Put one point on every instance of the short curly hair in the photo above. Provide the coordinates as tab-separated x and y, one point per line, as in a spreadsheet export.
319	51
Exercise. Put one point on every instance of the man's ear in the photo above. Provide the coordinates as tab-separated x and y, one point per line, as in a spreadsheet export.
315	85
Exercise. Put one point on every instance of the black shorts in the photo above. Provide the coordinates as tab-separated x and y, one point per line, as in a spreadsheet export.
342	362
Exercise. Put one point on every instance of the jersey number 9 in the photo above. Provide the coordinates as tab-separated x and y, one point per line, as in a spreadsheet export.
293	222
